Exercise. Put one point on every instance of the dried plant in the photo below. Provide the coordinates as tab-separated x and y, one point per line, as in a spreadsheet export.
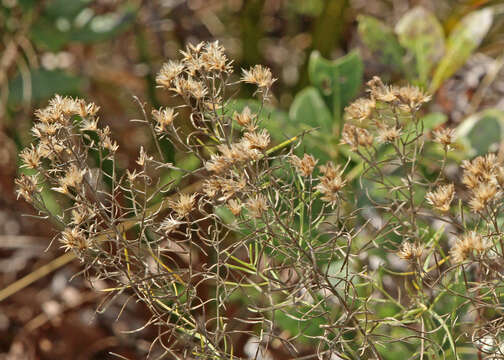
279	234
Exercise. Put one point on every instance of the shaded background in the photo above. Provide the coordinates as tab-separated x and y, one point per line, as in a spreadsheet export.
108	51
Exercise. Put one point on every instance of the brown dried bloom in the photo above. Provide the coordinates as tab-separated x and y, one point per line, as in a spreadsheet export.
72	179
361	109
169	224
483	194
382	92
258	140
184	205
74	239
27	185
257	206
258	75
387	134
244	118
143	158
169	72
469	243
444	136
442	197
412	96
213	58
479	170
410	251
31	157
356	136
234	206
164	118
189	87
304	166
217	164
331	182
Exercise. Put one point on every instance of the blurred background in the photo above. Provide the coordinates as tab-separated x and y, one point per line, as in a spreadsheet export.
108	51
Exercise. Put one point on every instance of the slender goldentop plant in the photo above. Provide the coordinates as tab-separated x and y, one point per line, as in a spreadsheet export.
336	260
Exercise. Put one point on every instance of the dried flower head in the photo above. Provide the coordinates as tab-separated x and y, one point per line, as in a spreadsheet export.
466	246
74	239
234	206
164	118
244	118
356	136
412	96
387	134
257	206
444	136
304	166
258	75
184	205
258	140
410	251
31	157
213	58
27	186
143	158
169	72
361	109
442	197
72	179
331	183
169	224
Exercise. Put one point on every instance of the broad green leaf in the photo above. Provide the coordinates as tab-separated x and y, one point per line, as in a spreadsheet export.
380	38
422	35
432	120
338	81
308	110
481	132
44	84
463	40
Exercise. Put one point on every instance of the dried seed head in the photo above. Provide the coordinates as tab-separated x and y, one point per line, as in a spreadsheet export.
483	194
442	197
304	166
361	109
89	124
169	224
412	96
189	88
74	239
27	186
31	157
234	206
444	136
72	179
480	170
244	118
213	58
143	158
258	75
331	183
467	245
257	206
184	205
356	136
169	72
211	187
387	134
164	118
258	140
410	251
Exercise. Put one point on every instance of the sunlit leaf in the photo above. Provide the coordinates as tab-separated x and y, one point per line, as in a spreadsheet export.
422	35
463	40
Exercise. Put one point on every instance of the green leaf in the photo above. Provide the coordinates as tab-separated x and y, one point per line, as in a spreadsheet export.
482	132
422	35
380	38
44	84
463	40
432	120
308	110
338	81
